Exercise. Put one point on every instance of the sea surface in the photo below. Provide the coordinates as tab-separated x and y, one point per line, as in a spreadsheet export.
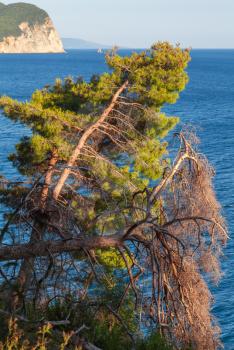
207	103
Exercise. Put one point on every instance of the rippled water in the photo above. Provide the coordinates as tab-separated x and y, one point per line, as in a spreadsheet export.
208	103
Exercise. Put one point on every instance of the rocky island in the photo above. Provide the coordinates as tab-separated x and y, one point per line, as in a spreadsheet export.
25	28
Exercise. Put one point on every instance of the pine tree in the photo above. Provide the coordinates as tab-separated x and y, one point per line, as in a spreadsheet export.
102	203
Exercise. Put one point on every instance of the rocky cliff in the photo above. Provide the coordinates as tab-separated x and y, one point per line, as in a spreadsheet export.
25	28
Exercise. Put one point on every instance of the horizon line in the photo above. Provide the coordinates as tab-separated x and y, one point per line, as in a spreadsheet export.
124	47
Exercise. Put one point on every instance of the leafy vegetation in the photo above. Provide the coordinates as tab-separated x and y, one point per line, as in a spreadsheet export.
103	218
46	338
11	16
86	322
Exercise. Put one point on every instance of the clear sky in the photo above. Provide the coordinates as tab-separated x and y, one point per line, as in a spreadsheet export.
138	23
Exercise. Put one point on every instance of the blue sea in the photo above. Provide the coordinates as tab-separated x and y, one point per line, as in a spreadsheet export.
207	103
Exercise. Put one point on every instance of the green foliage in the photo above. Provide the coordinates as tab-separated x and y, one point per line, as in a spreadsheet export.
156	78
11	16
112	166
57	114
153	342
102	328
111	258
105	335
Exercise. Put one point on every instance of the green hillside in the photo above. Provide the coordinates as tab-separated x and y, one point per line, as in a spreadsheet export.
11	16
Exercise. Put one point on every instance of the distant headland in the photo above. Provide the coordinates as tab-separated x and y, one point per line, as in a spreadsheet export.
80	44
25	28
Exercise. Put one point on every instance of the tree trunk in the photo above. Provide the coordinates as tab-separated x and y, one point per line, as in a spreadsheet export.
83	140
27	266
30	251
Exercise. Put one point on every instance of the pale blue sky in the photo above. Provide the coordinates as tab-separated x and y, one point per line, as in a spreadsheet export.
138	23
